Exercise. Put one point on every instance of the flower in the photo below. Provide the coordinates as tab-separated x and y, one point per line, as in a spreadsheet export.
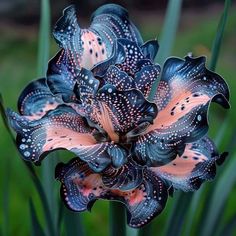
95	103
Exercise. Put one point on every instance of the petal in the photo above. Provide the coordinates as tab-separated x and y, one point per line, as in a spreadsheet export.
118	78
133	55
62	76
36	99
81	188
86	87
120	111
183	98
87	47
116	19
150	49
61	128
145	78
196	165
127	177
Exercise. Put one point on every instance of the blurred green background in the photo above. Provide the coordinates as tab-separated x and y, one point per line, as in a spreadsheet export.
19	25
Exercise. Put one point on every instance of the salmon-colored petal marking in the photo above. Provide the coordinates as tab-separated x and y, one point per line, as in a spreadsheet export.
61	128
196	165
183	97
36	99
81	188
120	111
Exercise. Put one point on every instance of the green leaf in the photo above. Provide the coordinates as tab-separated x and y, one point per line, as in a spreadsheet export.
36	227
167	36
219	36
44	36
170	27
219	198
117	219
49	164
145	231
179	211
73	224
229	227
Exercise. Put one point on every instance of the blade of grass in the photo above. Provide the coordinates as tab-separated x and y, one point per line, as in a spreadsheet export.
175	222
229	228
219	35
218	199
36	227
73	224
43	56
5	207
170	27
168	35
44	36
117	219
146	230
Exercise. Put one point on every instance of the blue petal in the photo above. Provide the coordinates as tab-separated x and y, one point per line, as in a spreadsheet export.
184	94
81	188
196	165
36	99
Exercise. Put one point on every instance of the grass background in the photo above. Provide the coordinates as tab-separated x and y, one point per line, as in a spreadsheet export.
18	66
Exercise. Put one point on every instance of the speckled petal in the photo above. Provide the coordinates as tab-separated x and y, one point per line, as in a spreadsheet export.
120	111
87	47
62	76
61	128
36	99
128	176
150	49
196	165
81	188
183	97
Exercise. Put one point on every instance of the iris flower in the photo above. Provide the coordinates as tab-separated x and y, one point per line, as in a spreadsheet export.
95	103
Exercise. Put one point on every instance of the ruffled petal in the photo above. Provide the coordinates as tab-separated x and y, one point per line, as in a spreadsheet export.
36	99
145	78
62	76
81	188
183	97
129	67
118	112
127	177
87	47
150	49
62	128
196	165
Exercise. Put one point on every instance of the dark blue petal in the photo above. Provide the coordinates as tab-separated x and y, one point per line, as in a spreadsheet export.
128	176
118	78
81	188
36	99
184	94
145	78
86	86
196	165
112	19
117	57
87	47
118	112
150	49
61	128
62	76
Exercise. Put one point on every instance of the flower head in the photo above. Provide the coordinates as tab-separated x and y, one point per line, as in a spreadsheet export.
95	103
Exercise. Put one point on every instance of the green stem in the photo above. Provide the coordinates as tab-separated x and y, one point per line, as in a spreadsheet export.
146	230
117	219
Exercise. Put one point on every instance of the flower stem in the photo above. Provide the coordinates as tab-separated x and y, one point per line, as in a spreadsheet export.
117	219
